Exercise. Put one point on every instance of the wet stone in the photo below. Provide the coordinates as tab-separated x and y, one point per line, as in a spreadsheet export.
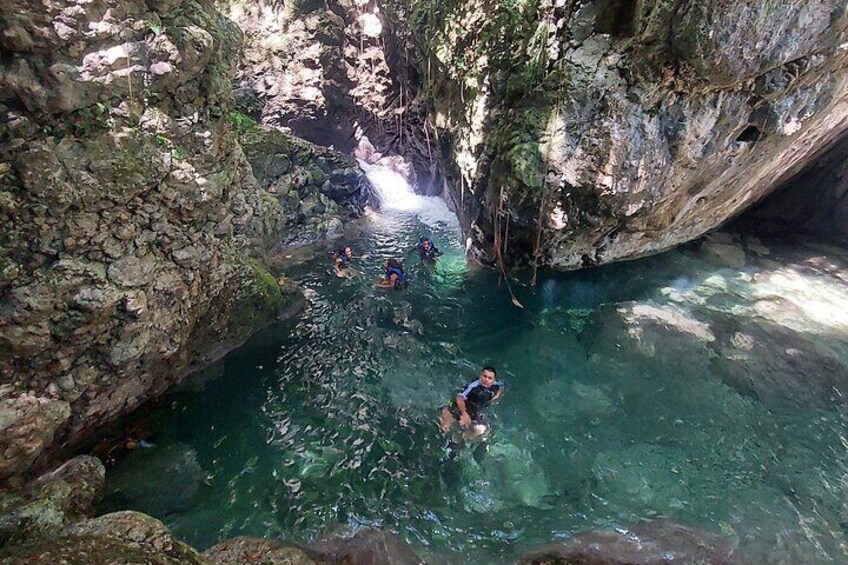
238	551
646	543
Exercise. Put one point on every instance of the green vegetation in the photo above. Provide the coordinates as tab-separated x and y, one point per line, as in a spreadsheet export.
242	122
155	28
267	296
177	151
257	299
84	122
511	36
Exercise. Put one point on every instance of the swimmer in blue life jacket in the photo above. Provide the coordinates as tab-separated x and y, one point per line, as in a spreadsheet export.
342	260
427	251
467	407
395	277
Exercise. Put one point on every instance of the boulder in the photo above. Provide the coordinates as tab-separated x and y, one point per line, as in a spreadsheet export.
53	501
121	537
370	547
247	551
648	543
27	425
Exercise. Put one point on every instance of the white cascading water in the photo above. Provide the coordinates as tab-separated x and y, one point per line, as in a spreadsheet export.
395	193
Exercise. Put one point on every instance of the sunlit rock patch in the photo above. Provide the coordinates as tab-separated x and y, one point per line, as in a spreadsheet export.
773	314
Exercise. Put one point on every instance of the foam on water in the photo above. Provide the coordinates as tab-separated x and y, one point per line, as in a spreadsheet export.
395	194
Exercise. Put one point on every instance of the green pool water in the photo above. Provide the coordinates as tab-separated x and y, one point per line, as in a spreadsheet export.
671	387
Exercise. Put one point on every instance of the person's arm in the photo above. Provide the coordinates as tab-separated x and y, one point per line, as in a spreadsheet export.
464	418
498	394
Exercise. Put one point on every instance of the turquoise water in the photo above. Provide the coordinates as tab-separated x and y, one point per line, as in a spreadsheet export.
670	387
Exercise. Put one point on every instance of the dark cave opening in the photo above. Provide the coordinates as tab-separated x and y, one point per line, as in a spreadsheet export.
749	134
617	17
812	203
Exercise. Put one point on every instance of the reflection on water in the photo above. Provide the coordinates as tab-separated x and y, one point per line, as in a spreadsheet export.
670	387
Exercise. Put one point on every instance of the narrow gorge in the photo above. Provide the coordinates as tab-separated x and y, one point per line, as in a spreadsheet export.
641	213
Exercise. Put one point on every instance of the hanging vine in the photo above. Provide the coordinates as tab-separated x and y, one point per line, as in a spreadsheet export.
543	201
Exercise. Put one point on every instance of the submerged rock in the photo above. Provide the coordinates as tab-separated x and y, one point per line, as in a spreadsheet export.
647	476
638	316
780	367
728	255
560	401
167	482
517	474
648	543
370	547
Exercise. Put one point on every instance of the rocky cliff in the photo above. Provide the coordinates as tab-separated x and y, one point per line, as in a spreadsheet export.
586	132
133	224
341	74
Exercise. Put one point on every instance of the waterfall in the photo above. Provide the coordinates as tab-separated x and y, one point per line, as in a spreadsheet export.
395	194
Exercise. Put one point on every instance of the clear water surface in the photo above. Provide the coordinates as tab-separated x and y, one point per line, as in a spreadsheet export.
631	394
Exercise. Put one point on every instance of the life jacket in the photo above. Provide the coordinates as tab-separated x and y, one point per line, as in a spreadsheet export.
401	276
395	271
429	254
343	257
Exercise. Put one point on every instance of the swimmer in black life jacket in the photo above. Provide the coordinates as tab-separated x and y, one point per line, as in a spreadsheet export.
427	251
467	407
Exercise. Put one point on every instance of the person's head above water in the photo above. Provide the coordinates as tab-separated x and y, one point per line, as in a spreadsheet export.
347	251
393	264
488	376
425	243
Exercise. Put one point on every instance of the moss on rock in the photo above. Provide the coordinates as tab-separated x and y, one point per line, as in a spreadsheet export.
527	164
268	296
121	537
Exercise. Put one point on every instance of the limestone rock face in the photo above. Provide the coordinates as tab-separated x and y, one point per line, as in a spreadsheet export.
317	188
53	501
337	74
121	537
590	132
27	425
129	212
